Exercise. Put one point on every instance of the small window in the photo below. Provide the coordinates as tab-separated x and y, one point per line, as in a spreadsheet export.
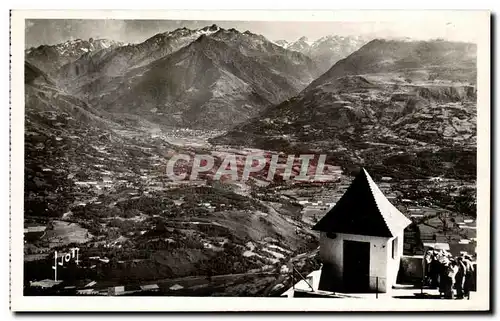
331	235
394	247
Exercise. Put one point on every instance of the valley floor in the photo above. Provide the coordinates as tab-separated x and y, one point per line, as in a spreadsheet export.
139	232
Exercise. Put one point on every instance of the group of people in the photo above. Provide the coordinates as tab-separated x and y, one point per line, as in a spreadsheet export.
445	272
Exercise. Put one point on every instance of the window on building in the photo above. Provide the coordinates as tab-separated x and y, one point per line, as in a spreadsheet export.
331	235
394	247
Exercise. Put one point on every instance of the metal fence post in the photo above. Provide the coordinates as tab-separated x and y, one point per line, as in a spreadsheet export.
376	288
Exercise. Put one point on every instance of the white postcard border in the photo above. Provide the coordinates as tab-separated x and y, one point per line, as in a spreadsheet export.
480	20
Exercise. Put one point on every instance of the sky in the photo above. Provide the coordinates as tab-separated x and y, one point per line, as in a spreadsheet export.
53	31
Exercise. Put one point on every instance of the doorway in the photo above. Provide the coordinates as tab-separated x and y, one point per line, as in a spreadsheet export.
356	271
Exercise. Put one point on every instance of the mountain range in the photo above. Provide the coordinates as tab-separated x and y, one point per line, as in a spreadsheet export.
326	51
408	109
369	107
50	58
209	77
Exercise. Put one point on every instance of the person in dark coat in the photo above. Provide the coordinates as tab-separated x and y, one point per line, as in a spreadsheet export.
433	269
428	258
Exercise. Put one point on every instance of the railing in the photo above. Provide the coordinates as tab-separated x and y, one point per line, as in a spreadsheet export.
380	283
355	287
306	280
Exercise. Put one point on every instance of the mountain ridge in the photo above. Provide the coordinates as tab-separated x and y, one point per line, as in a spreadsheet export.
371	107
235	77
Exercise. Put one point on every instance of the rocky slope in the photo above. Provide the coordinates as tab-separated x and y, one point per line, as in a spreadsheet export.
56	125
205	78
402	109
325	51
66	141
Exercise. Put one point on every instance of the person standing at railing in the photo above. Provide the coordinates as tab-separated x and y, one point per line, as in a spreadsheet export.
460	277
469	272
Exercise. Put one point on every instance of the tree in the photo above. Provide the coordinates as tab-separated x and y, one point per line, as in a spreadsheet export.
445	218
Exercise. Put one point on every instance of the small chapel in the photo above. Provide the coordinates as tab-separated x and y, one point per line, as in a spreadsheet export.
361	240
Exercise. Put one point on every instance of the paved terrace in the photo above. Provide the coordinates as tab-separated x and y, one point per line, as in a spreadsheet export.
303	289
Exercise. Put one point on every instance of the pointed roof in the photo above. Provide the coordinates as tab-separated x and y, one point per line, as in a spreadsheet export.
363	210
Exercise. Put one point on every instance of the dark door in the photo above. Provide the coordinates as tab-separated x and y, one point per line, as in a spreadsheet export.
356	273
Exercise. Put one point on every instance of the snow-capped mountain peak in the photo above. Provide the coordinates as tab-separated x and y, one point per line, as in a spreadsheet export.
51	57
326	50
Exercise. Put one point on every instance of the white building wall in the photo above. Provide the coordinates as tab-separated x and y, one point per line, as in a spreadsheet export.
394	263
331	252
